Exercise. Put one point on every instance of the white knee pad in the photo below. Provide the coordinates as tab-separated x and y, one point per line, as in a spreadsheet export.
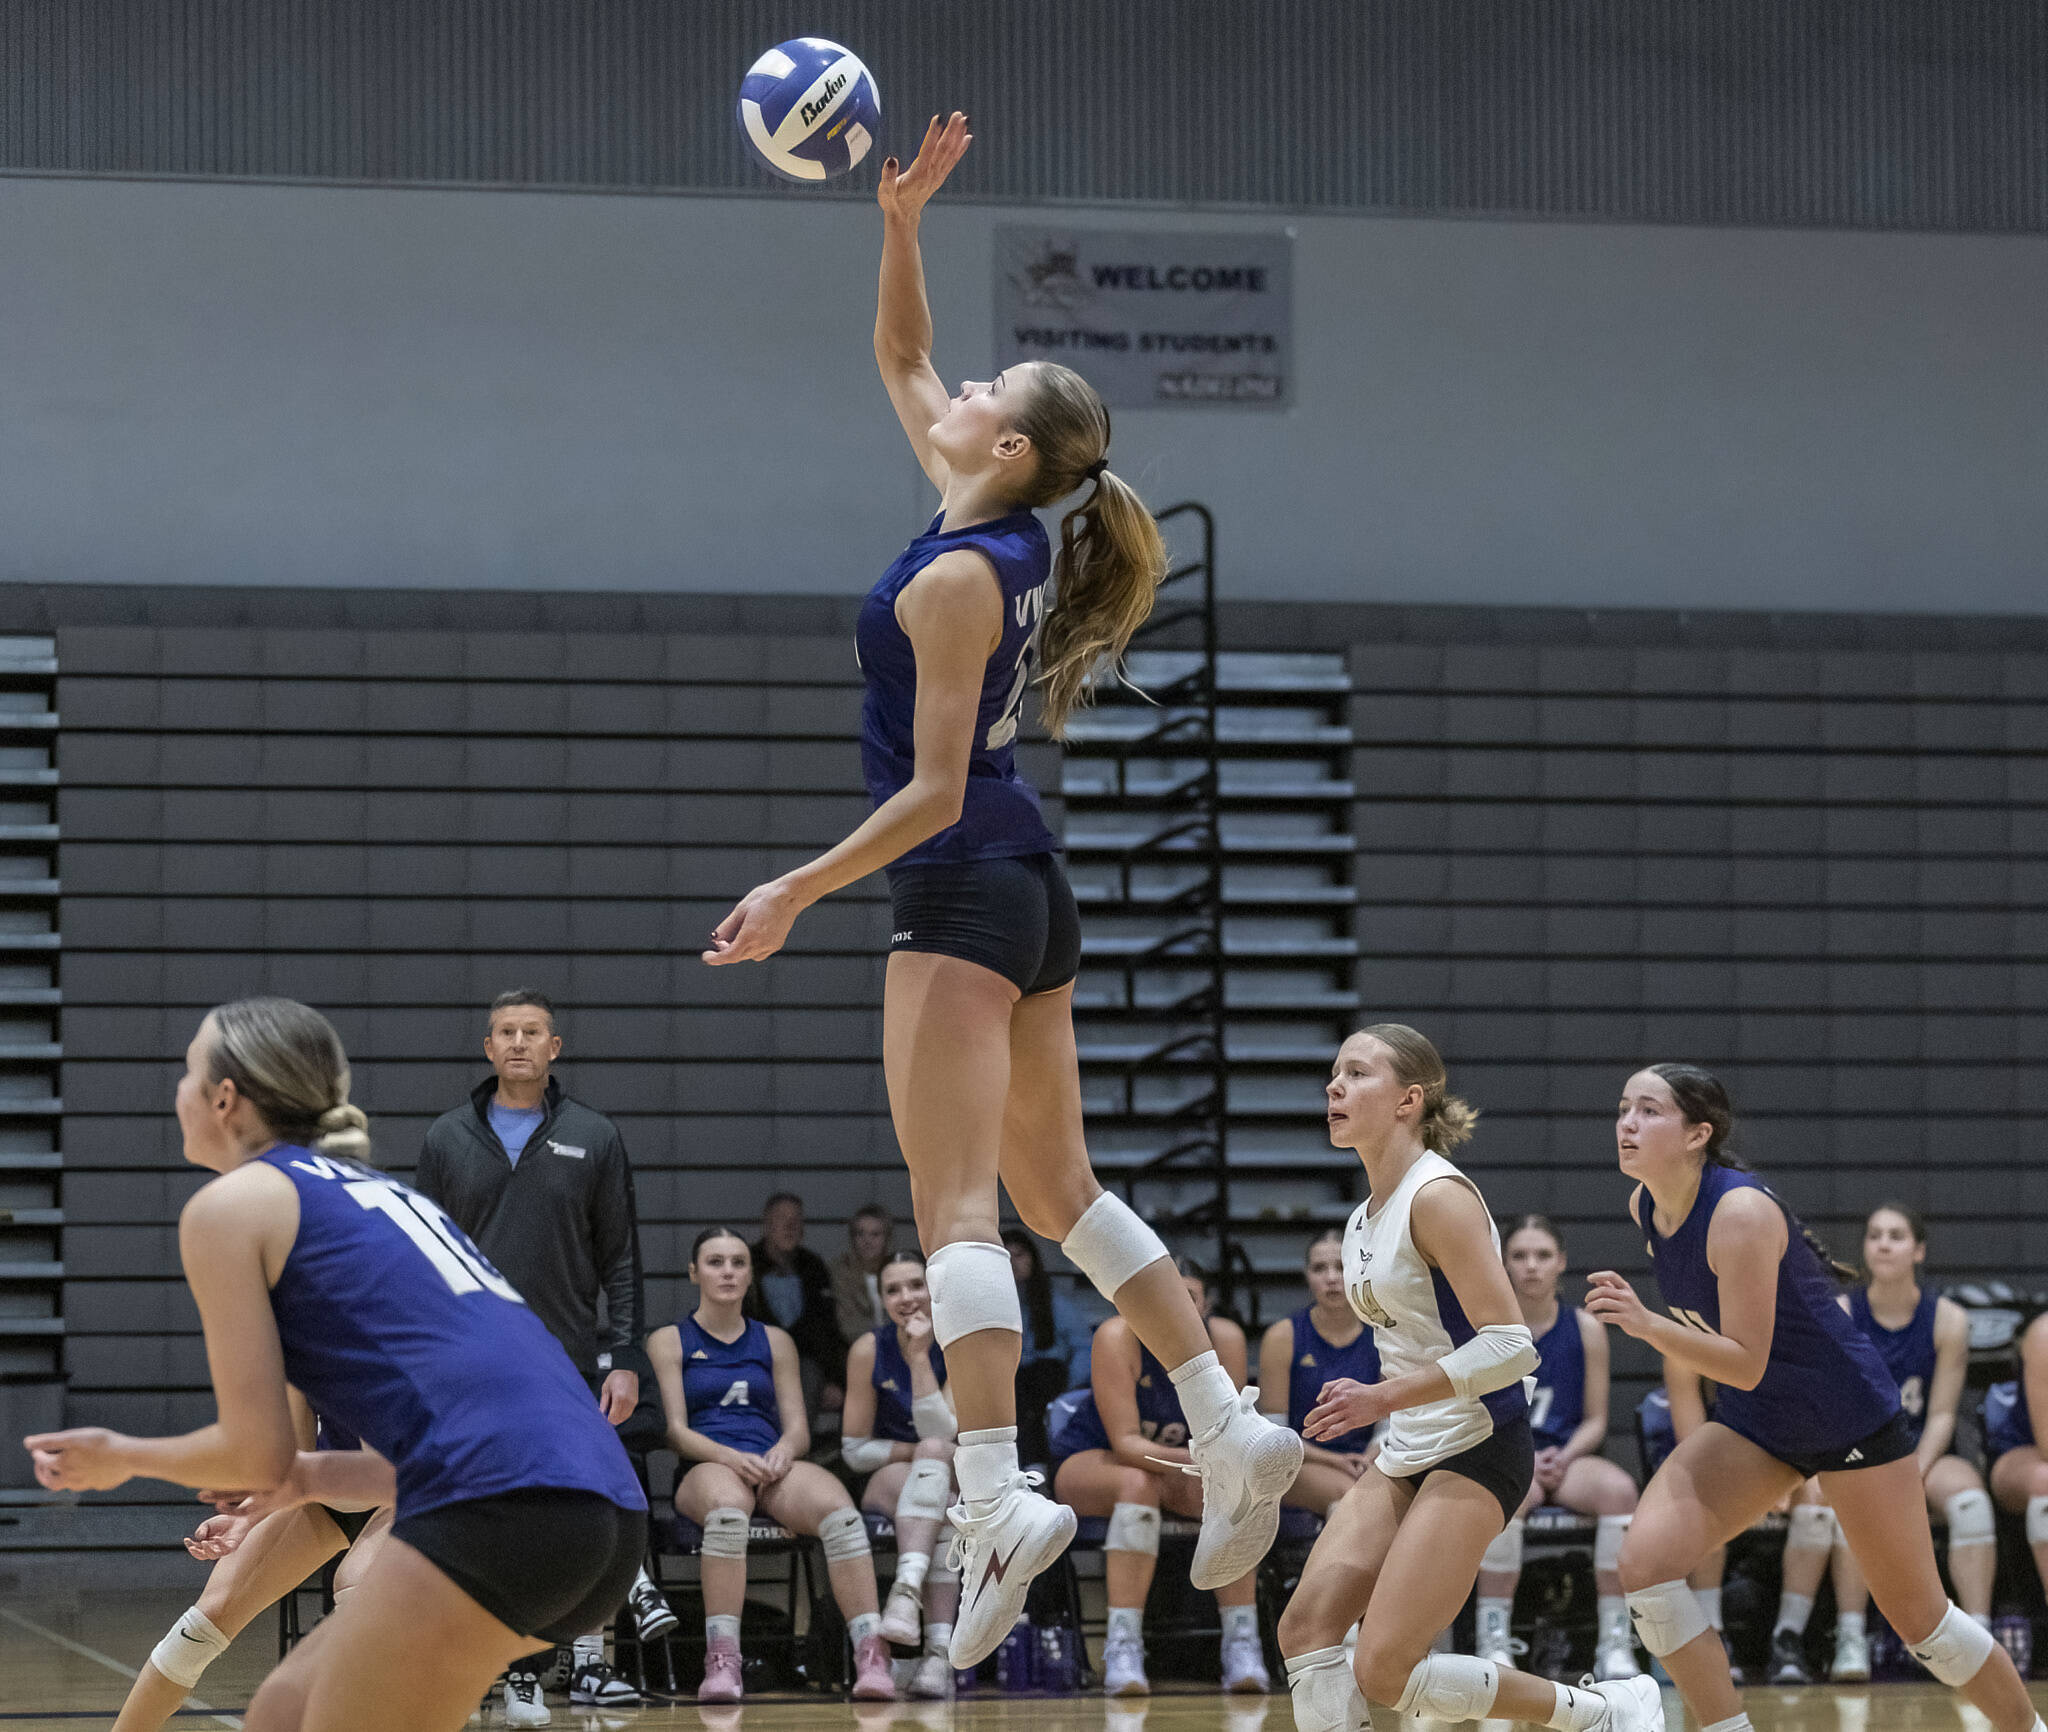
192	1645
1133	1527
844	1535
1956	1651
945	1560
973	1288
1326	1696
1666	1615
927	1488
2037	1520
1970	1520
1110	1244
1504	1556
1812	1529
1608	1534
725	1533
1451	1687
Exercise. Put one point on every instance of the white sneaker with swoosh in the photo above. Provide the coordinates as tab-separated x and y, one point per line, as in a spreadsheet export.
999	1545
1246	1464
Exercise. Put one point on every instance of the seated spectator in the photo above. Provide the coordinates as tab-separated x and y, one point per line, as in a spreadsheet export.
2019	1473
857	1271
1322	1341
1924	1340
1119	1446
1056	1338
736	1417
899	1430
793	1290
1568	1416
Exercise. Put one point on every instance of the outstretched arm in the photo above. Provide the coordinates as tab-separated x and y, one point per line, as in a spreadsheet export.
903	318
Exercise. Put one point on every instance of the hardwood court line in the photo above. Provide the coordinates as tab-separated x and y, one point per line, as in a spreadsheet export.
111	1664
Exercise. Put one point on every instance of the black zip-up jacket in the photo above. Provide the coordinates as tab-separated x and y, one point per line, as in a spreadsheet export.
561	1226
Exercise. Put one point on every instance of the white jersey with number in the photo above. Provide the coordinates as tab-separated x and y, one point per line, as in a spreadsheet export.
1416	1319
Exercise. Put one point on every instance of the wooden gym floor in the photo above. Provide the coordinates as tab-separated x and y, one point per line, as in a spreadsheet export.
66	1658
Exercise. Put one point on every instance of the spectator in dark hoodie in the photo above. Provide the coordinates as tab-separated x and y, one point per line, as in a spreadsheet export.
793	1289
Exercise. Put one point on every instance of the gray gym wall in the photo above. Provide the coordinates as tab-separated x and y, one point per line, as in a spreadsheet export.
300	385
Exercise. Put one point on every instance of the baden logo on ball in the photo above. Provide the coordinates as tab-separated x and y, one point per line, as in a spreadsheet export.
809	109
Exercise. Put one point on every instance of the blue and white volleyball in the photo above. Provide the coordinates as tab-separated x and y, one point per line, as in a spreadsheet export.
809	109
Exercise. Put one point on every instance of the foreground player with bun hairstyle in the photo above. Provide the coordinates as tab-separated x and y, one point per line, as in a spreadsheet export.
1754	1308
1402	1550
519	1521
977	1015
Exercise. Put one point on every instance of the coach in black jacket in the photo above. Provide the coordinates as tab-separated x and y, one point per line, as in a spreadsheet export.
555	1214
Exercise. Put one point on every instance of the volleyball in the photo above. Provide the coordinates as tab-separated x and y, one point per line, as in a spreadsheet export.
809	109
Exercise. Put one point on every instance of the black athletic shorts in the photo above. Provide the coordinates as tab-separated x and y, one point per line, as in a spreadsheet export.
546	1563
1504	1463
1014	916
350	1521
1891	1441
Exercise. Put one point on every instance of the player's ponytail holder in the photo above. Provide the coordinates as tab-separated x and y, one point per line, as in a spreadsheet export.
1095	470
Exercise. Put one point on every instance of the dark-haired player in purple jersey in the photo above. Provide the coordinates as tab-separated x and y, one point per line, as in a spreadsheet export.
977	1030
1754	1307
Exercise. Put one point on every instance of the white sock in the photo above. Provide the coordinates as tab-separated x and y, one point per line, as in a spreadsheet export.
1710	1608
1794	1610
1126	1624
910	1571
590	1649
862	1625
1734	1723
721	1628
1494	1616
1240	1621
985	1462
938	1638
1848	1624
1207	1396
1576	1710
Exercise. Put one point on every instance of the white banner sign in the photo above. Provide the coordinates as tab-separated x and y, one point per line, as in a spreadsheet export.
1153	321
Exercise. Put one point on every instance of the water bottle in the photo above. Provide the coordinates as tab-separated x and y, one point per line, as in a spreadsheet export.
1015	1672
1056	1669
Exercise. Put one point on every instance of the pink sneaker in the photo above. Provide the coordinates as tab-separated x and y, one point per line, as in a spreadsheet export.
872	1681
722	1674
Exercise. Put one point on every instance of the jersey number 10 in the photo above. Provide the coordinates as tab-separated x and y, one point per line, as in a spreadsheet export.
462	1268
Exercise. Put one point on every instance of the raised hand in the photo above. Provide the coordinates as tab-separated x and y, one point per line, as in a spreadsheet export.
904	192
86	1459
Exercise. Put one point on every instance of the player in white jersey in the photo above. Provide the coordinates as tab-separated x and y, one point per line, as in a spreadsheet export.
1402	1549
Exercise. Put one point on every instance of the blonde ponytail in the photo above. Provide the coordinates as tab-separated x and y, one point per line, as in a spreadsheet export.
1447	1121
287	1062
1111	557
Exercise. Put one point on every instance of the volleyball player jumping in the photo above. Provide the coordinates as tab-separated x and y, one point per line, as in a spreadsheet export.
1802	1393
977	1036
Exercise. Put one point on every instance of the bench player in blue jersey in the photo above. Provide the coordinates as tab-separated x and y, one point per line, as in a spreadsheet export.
733	1393
977	1012
897	1428
1402	1550
519	1521
1119	1447
1924	1341
1568	1417
1803	1393
1323	1341
2019	1468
